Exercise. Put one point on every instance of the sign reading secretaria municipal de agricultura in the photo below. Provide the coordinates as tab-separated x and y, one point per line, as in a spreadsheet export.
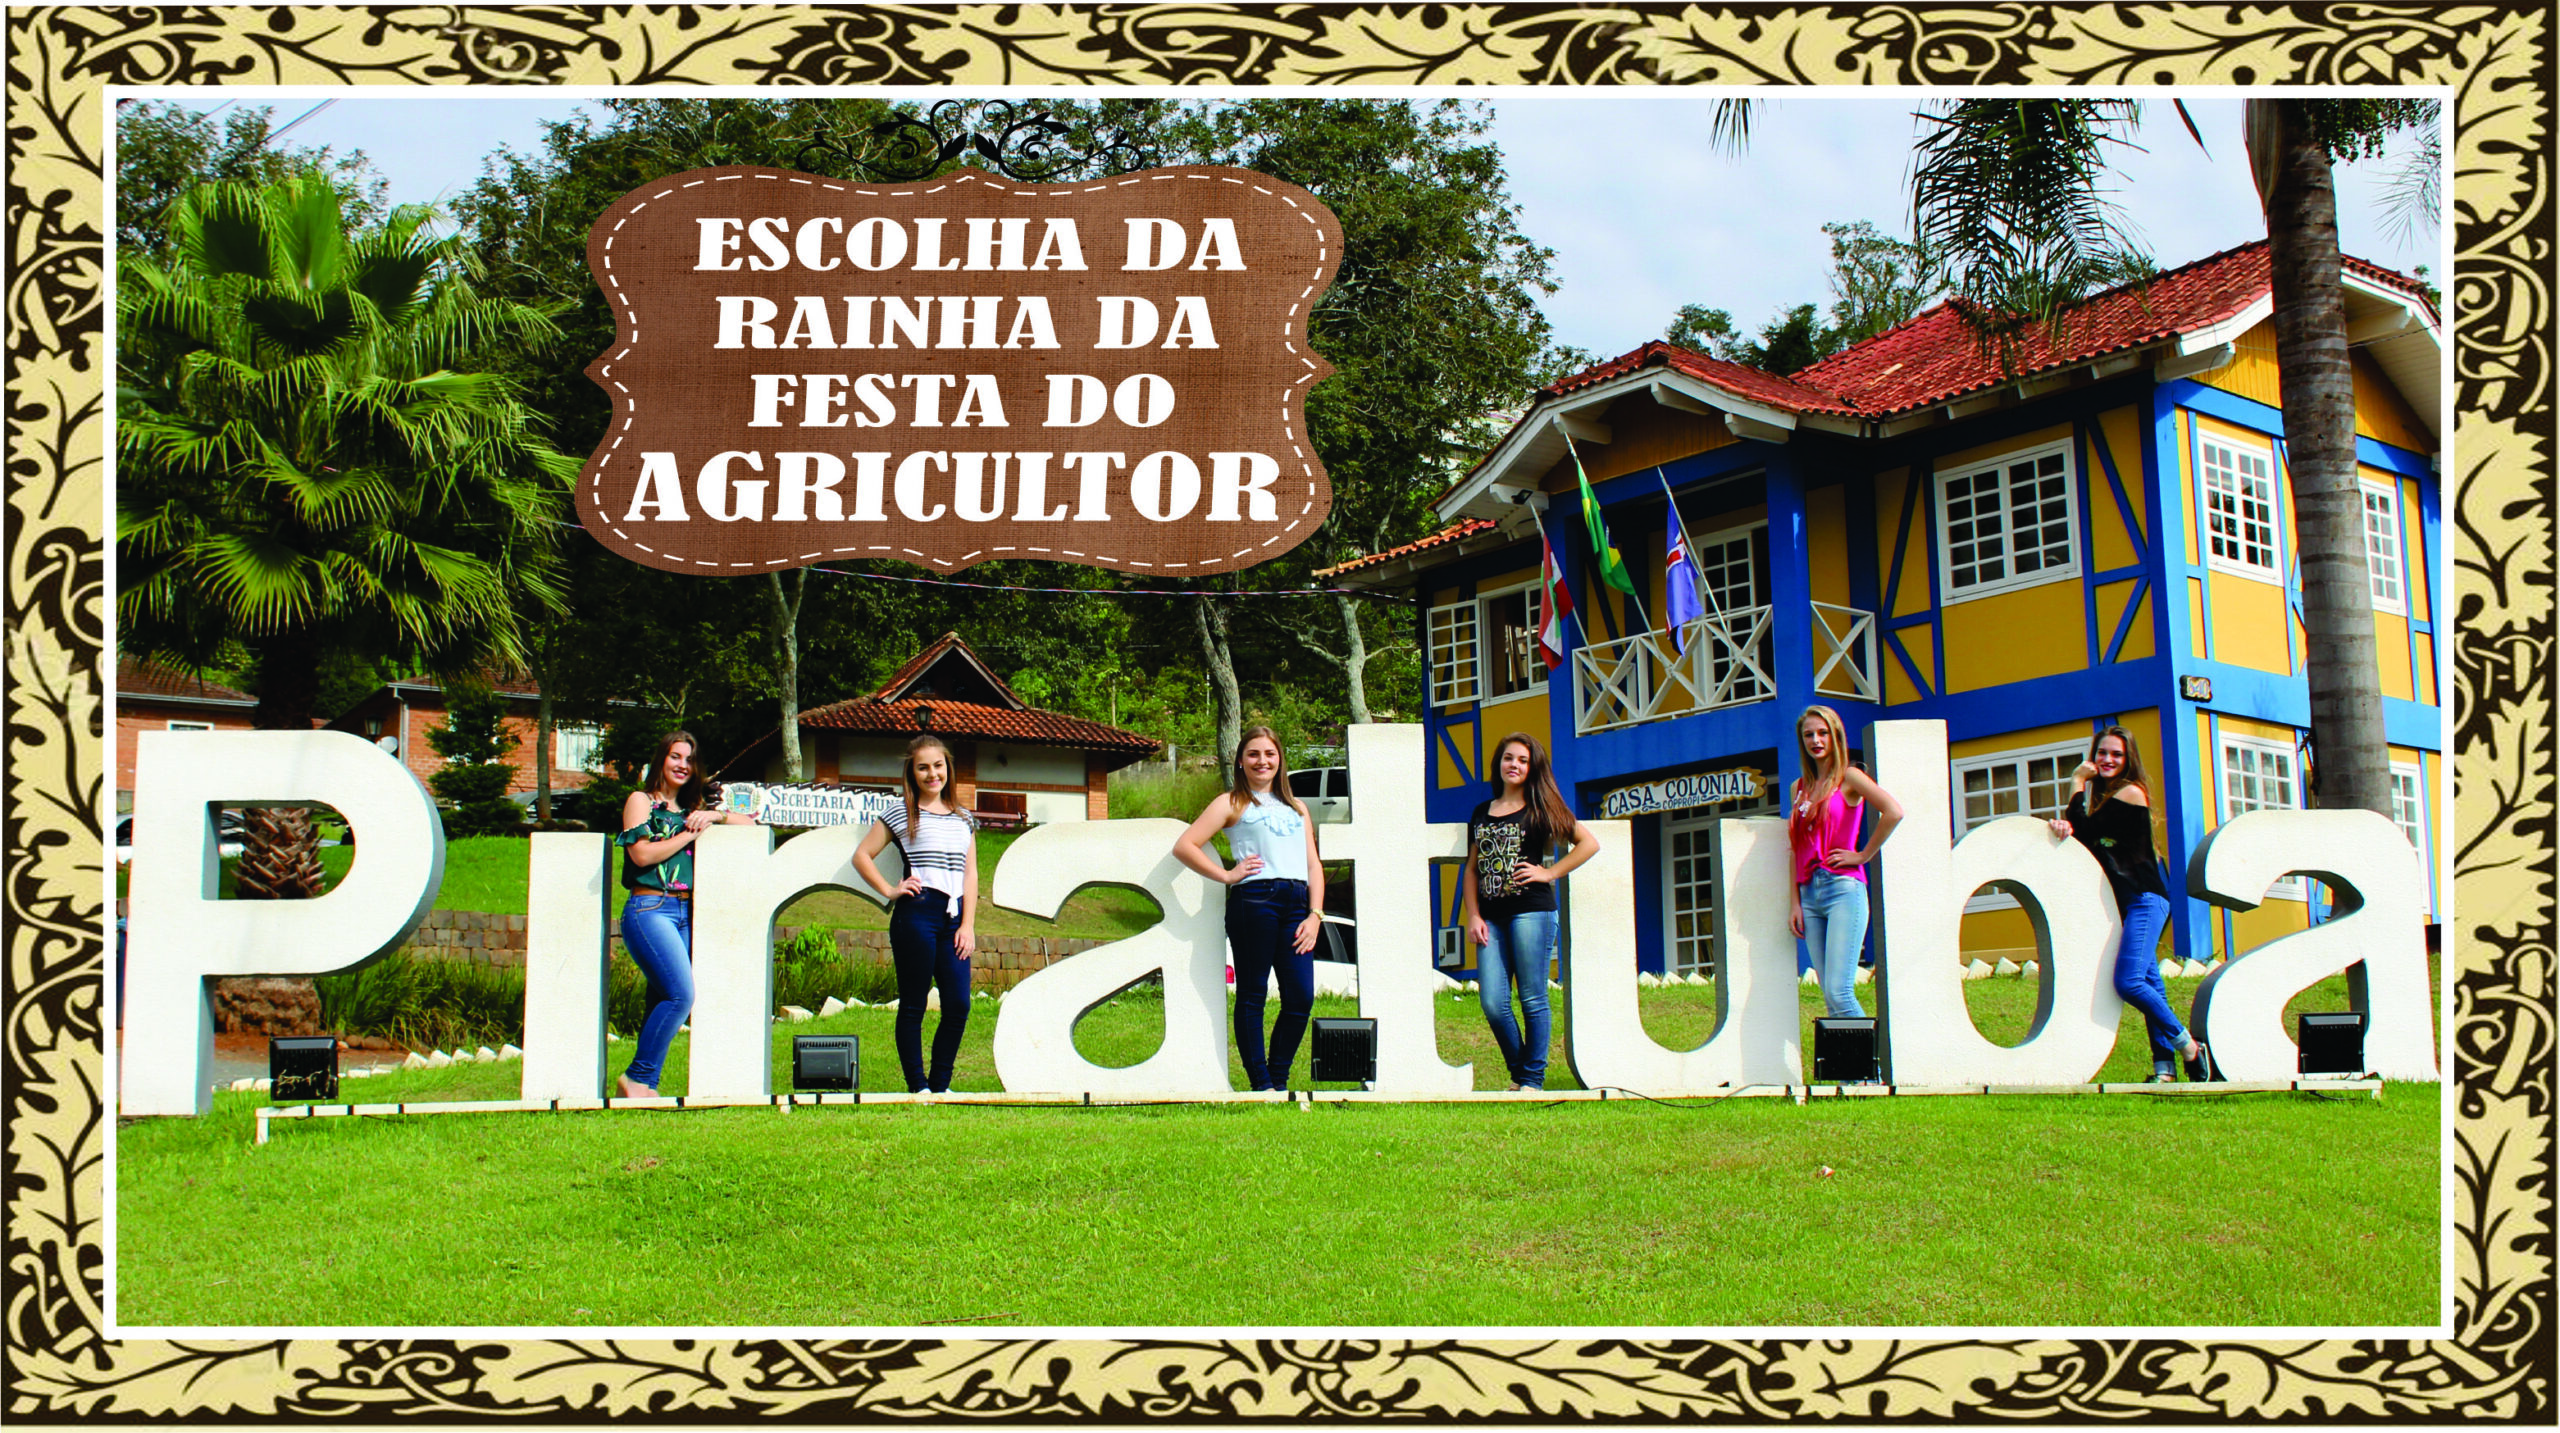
958	370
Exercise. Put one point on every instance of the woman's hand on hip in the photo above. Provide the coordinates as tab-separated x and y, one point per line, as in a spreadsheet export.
1846	860
1244	870
911	886
1530	873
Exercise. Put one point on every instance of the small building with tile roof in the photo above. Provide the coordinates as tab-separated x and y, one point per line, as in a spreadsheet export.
399	715
151	697
1013	762
2089	523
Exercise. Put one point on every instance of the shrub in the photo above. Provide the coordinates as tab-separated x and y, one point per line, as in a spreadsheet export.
1156	792
426	1004
463	785
484	818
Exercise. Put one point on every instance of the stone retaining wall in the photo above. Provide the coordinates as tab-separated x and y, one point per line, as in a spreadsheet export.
498	941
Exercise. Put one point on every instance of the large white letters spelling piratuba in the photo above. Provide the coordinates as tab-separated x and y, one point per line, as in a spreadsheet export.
181	935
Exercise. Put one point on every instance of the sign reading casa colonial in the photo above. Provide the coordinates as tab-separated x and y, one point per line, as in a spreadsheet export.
2101	533
1012	763
959	370
1680	793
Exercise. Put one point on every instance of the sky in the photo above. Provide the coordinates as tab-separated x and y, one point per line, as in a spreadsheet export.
1643	213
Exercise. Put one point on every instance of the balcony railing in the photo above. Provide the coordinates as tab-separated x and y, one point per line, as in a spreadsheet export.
1729	661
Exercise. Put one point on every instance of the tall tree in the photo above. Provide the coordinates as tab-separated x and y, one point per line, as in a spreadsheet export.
164	150
304	467
2010	191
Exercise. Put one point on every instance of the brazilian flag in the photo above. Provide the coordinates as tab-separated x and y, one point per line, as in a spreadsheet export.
1613	568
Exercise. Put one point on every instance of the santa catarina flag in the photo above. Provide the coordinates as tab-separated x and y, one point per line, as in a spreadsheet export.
1613	569
1559	606
1680	591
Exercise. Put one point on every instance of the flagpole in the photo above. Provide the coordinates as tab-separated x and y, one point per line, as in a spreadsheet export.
1576	453
1583	638
1686	544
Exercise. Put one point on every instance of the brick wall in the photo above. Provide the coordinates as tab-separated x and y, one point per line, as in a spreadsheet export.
485	938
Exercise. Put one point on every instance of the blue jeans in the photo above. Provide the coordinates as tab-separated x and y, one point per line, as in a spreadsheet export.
1835	927
923	941
1262	931
2138	978
658	931
1522	944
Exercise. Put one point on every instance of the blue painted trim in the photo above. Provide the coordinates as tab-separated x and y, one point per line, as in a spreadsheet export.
1911	669
2286	701
2191	936
2061	697
1924	475
2133	605
1458	758
2258	417
2430	535
2115	484
1902	545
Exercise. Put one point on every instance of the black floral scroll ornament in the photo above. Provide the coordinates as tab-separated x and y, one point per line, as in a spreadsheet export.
998	135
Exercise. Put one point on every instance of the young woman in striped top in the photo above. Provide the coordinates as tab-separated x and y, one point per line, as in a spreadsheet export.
1274	892
932	913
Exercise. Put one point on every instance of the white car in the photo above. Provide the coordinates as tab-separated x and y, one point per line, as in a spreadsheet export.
1326	790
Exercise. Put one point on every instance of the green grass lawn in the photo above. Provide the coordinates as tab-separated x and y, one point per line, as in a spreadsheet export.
1999	1211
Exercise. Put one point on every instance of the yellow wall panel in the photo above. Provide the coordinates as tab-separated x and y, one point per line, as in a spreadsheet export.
1528	714
2249	622
2207	792
1983	453
2121	430
2050	734
2425	665
2015	636
2262	730
1897	682
2186	471
2391	654
1913	595
1513	578
2141	639
2251	373
2111	604
1447	773
1643	433
2381	413
2198	640
1827	541
2272	919
1993	934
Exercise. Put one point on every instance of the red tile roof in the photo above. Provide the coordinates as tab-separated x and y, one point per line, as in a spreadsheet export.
971	719
1734	378
1455	532
147	680
922	662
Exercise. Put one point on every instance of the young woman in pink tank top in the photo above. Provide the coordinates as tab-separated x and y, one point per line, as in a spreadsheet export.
1830	906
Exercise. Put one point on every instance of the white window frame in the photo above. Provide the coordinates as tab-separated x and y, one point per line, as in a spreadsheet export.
2397	599
2291	887
1700	821
561	732
190	726
2415	824
1449	629
2072	753
1486	657
1462	624
2005	466
2234	449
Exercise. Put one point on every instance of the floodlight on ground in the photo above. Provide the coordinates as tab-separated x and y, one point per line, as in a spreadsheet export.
826	1062
1345	1050
302	1067
2329	1042
1844	1050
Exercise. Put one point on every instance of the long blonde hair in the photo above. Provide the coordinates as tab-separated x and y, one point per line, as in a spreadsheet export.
1240	786
1816	786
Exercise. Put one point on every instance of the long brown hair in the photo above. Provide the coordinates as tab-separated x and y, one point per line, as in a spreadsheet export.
690	795
1240	786
1817	786
2101	788
907	777
1550	819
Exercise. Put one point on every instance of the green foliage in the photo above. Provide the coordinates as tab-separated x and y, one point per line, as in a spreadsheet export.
165	149
810	945
1876	282
464	784
475	729
808	983
425	1004
1145	791
306	463
2009	191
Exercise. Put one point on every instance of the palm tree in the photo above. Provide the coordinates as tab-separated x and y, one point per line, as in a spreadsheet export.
2009	190
302	469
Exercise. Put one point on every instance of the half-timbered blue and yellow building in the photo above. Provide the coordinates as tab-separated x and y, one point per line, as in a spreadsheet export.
2096	530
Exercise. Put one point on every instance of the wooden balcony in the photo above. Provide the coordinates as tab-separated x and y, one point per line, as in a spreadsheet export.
1729	660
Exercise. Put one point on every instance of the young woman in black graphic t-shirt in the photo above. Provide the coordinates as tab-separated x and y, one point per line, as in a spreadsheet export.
1510	898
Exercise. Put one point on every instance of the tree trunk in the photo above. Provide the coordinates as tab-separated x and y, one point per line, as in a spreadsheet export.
542	752
1211	620
786	651
1355	658
2353	765
280	847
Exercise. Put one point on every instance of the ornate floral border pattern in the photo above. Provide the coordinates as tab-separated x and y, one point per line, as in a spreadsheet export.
2498	60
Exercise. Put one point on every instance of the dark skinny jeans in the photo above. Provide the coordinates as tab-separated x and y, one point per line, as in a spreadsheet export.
923	935
1262	932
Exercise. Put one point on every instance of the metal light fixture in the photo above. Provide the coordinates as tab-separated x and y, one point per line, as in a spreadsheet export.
2329	1043
1344	1049
302	1067
1844	1050
826	1062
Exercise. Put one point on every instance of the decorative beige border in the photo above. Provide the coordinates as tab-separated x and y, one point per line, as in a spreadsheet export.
2496	57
